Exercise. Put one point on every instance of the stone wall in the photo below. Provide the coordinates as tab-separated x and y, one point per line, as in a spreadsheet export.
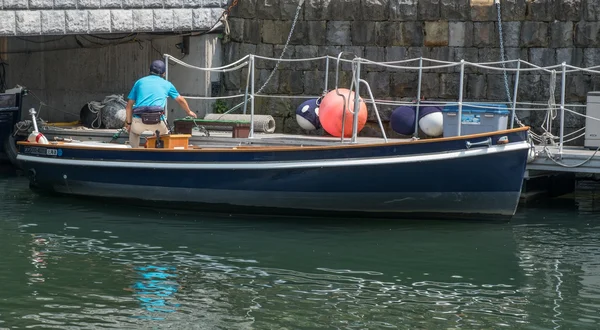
59	17
542	32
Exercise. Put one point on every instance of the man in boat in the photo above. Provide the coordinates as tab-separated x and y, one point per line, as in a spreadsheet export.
146	104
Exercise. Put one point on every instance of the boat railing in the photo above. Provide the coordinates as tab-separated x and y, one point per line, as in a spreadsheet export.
517	68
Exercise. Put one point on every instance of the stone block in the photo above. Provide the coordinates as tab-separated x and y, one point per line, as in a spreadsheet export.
182	19
542	56
577	87
91	4
534	34
338	33
468	54
236	28
588	34
561	34
496	87
591	57
251	31
364	33
540	10
428	10
106	4
290	82
375	10
530	87
244	9
476	86
29	22
405	10
314	82
430	85
396	53
306	52
511	33
483	10
265	50
77	21
513	10
121	20
591	10
138	4
289	54
403	84
569	10
268	9
299	35
205	18
376	54
436	33
275	32
450	86
193	4
99	21
455	10
153	4
65	4
16	4
316	32
349	53
41	4
400	33
7	22
485	34
379	83
460	34
317	10
53	22
289	8
345	10
143	20
572	56
163	19
174	4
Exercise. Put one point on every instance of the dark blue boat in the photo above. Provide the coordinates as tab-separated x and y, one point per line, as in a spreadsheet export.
472	176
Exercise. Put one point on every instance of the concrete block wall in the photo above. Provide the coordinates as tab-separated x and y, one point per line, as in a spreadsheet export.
59	17
542	32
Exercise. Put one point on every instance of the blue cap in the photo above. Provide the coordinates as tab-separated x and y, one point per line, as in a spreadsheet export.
157	67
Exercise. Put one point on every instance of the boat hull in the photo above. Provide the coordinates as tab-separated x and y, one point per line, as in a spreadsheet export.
434	181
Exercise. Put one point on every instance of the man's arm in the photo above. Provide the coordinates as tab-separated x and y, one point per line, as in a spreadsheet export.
129	112
183	103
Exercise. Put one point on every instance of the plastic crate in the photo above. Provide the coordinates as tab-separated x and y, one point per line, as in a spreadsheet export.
475	118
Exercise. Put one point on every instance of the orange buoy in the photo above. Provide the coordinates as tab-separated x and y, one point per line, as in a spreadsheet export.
331	110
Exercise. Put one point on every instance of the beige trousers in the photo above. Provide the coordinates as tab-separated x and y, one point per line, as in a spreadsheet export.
137	128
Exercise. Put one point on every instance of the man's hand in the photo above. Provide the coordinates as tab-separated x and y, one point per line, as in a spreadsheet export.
127	127
192	114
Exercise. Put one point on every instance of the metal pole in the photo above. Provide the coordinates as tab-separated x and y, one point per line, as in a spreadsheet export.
166	78
251	135
356	103
562	107
326	74
247	86
460	94
415	133
514	102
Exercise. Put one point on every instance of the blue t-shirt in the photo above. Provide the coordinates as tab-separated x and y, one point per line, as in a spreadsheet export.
152	90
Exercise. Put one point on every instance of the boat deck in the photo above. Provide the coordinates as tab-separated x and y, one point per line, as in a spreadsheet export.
223	138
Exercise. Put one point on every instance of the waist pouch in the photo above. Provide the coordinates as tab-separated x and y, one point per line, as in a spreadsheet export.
150	115
150	118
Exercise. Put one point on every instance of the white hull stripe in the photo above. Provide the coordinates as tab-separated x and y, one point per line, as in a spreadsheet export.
281	165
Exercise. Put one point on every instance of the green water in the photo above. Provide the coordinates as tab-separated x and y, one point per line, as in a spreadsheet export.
73	264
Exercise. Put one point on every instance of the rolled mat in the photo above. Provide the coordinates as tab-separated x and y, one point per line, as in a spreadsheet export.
262	123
